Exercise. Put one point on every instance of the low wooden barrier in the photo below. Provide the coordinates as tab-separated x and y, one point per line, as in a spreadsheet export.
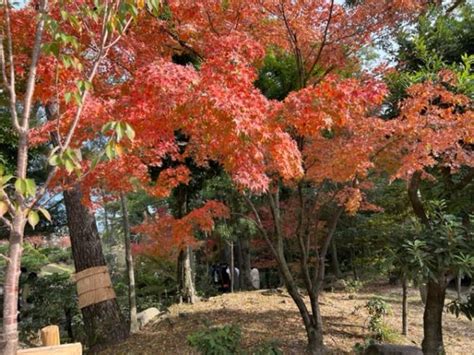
51	344
65	349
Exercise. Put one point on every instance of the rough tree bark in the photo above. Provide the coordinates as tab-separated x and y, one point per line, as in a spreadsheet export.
132	300
245	265
334	260
232	267
187	292
436	289
433	318
103	321
405	306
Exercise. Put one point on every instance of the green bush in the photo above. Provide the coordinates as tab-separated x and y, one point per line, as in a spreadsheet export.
268	348
380	331
50	300
217	340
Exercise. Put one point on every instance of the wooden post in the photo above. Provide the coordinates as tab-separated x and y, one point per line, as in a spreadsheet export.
50	335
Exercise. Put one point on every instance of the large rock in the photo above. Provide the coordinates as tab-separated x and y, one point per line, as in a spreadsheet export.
146	316
390	349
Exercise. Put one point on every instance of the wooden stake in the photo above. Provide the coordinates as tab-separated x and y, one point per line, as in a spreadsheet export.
50	335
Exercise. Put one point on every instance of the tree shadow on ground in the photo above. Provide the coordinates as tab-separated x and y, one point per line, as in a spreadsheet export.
281	327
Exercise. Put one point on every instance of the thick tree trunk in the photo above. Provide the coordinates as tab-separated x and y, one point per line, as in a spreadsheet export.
312	321
11	287
458	284
103	322
245	267
132	300
336	270
187	290
232	267
404	306
433	318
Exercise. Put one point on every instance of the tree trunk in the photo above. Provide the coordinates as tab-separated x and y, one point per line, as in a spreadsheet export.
103	322
334	260
312	321
245	279
11	287
189	291
232	267
404	306
132	300
70	333
458	284
433	318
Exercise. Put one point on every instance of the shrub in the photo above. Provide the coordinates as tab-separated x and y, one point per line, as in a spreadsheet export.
378	309
268	348
217	340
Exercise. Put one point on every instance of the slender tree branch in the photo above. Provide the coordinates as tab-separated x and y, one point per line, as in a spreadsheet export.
4	257
323	42
413	190
454	6
321	269
260	225
6	222
10	84
30	84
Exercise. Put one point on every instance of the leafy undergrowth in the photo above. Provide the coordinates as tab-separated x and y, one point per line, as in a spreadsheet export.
272	317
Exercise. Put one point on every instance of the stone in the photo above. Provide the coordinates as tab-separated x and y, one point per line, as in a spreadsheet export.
146	316
390	349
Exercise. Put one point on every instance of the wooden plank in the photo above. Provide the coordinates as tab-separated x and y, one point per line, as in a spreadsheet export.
96	296
93	282
66	349
50	335
90	271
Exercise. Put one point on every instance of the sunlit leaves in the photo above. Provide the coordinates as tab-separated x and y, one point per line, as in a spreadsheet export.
25	187
33	218
70	159
3	208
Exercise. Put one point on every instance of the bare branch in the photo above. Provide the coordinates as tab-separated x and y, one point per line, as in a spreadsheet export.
323	42
6	222
4	257
30	84
10	84
259	224
413	190
454	6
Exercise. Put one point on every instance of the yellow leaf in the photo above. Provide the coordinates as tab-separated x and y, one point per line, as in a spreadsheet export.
3	208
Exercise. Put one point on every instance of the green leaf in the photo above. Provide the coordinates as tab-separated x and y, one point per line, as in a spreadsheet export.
33	219
129	132
109	150
68	97
69	165
30	187
5	179
55	160
120	131
109	126
20	186
45	213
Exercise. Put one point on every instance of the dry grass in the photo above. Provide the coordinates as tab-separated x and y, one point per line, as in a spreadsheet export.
275	318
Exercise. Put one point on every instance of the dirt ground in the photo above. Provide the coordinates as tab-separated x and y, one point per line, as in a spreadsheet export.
265	316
